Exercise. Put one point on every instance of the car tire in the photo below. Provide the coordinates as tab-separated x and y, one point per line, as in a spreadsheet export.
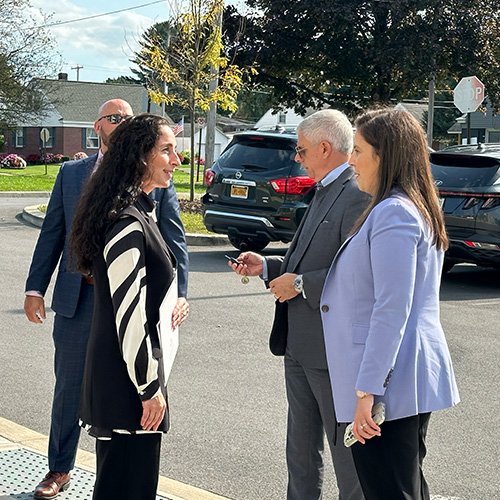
248	244
447	266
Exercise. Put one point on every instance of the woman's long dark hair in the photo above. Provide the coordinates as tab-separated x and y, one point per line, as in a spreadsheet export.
399	141
114	186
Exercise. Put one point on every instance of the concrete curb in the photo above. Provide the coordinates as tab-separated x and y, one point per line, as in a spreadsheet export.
25	194
15	436
34	216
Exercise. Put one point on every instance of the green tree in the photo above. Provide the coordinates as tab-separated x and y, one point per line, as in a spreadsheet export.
188	61
353	53
26	54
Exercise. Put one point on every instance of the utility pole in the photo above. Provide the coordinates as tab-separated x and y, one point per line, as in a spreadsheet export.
78	68
430	109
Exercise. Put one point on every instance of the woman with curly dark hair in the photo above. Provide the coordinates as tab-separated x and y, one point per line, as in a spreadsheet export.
117	245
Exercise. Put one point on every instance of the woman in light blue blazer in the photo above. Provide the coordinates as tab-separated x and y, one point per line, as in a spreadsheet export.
380	309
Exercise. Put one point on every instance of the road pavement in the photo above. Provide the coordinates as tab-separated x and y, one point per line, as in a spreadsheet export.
226	390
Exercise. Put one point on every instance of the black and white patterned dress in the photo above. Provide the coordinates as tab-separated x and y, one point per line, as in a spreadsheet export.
123	368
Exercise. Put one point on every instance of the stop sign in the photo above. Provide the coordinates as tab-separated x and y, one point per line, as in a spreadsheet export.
468	94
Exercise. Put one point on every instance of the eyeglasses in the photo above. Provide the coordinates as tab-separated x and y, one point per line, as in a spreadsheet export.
300	151
115	118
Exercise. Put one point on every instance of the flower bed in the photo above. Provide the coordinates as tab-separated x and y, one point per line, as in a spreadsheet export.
13	161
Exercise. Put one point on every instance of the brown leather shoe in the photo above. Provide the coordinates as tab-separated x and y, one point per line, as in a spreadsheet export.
52	484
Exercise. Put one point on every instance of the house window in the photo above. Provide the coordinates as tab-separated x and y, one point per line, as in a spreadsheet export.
52	138
91	139
493	136
19	138
282	117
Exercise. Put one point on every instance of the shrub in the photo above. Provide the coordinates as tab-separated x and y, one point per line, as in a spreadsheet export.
80	155
65	158
186	155
13	161
48	157
32	158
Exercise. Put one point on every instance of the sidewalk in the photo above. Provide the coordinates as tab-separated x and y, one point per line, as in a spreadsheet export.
23	463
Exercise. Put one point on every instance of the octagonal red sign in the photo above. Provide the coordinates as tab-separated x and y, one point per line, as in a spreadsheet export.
468	94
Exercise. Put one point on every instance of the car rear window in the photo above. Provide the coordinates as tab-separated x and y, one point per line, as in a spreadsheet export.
262	154
462	171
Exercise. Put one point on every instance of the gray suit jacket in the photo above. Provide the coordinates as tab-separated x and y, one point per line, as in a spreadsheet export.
318	238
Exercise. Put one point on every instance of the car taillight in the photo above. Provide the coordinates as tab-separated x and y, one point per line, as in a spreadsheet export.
483	246
488	200
209	176
293	185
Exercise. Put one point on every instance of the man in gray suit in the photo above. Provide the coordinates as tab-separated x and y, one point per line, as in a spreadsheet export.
324	145
73	296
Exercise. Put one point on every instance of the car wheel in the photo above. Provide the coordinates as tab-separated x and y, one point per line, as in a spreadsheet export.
248	244
447	266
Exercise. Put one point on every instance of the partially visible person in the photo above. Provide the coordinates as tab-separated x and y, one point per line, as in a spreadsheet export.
73	296
323	147
380	309
117	244
173	232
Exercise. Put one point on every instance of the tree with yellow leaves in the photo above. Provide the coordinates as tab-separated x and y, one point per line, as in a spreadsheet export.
189	61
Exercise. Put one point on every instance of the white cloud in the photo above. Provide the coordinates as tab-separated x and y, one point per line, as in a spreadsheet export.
103	45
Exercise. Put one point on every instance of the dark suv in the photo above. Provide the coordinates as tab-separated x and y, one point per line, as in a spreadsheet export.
468	179
256	192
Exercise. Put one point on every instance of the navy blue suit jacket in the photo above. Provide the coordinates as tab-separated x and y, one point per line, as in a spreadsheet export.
52	243
172	230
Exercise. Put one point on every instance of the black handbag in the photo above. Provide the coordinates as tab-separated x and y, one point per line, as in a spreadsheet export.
279	330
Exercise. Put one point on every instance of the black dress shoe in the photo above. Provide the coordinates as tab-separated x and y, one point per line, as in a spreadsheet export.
52	484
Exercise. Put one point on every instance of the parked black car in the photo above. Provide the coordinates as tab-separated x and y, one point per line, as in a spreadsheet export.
256	192
468	179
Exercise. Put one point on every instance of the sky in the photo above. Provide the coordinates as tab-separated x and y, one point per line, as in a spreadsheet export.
104	45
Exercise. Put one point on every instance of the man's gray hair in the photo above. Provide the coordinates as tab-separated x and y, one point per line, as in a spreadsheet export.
328	125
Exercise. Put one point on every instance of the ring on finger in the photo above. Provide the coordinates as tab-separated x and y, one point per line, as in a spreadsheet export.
363	426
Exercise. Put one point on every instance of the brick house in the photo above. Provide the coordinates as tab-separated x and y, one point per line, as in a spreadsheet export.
73	107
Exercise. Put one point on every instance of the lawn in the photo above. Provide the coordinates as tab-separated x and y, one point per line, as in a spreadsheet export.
33	178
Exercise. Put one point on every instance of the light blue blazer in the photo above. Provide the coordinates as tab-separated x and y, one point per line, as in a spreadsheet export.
380	313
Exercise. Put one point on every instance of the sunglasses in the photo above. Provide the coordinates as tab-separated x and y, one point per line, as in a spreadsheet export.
300	151
115	118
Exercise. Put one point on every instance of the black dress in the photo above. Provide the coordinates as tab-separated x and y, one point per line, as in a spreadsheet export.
131	278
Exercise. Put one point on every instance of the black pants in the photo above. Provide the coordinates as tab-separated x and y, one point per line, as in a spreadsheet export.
390	466
127	467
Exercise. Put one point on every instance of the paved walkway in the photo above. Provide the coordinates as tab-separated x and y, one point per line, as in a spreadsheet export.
23	462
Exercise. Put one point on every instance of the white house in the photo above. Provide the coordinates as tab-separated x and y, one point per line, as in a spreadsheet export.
273	120
184	140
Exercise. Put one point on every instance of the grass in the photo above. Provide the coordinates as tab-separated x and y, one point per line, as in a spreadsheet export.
33	178
193	223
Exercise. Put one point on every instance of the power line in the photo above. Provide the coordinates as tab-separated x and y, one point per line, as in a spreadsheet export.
100	15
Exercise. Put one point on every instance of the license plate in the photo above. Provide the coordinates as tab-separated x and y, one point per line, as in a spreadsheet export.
441	202
239	191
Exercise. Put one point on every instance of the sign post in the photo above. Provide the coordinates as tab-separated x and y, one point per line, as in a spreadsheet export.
467	97
45	137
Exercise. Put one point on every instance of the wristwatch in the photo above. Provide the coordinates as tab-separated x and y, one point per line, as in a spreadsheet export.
298	283
361	394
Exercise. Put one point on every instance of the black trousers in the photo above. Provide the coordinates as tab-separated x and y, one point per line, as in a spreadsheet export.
127	467
390	466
